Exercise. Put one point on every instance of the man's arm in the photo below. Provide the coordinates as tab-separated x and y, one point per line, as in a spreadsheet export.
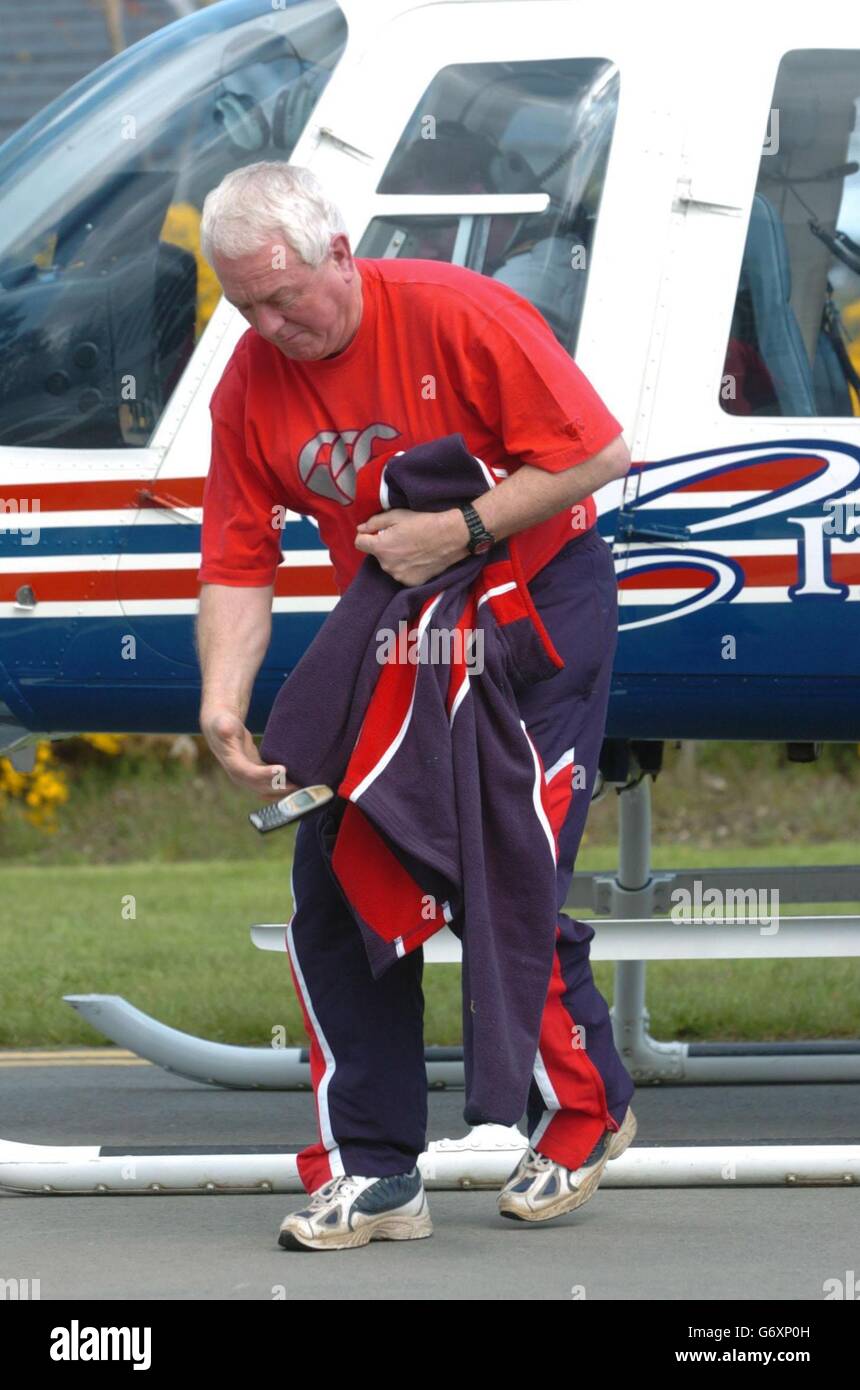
531	495
234	627
414	547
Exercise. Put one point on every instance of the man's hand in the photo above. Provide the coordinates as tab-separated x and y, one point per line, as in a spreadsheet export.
237	753
414	547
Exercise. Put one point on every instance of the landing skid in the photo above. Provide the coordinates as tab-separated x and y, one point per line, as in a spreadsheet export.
224	1064
483	1159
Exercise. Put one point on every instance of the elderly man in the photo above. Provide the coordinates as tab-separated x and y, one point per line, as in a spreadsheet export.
344	356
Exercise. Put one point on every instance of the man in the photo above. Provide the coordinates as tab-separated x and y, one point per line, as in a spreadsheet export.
343	357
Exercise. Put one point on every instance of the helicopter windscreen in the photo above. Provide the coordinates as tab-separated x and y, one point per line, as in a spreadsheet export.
103	289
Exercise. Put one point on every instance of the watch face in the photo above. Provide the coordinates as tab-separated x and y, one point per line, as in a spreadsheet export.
481	547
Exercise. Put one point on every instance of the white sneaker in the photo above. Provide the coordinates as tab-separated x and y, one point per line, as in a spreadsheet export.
351	1210
539	1188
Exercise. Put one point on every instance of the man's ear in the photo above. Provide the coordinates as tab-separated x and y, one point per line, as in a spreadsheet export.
341	253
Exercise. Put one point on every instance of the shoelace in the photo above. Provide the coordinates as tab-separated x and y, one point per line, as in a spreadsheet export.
346	1185
537	1162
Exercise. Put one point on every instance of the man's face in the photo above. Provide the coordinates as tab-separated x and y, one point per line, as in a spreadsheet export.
306	312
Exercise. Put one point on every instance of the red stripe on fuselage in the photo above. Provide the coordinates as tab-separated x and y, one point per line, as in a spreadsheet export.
305	581
759	570
72	586
768	476
110	494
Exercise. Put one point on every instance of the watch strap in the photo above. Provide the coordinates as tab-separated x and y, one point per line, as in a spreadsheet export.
478	533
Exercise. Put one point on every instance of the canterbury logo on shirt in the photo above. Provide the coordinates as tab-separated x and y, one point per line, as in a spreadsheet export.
329	462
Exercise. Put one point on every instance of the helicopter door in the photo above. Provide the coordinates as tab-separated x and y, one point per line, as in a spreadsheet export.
755	434
534	143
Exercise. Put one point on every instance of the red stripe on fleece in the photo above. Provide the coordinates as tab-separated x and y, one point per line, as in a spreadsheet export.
493	575
546	803
543	792
368	502
557	799
459	666
516	566
507	607
515	603
387	711
377	885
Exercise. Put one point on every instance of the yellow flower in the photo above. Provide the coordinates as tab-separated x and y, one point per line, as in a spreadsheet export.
41	789
106	743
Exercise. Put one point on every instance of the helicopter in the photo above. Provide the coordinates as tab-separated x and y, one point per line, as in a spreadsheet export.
684	209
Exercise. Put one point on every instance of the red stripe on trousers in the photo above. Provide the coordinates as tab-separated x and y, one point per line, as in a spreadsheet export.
574	1129
577	1126
313	1163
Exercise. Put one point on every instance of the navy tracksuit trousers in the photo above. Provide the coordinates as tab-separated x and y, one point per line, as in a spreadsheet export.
366	1036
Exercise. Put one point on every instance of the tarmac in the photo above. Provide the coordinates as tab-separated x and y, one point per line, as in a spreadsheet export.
766	1243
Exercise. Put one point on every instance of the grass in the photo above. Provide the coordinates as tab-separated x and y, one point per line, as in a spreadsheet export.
185	955
176	840
709	795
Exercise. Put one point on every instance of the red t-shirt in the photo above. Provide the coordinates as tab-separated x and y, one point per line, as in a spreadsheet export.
439	350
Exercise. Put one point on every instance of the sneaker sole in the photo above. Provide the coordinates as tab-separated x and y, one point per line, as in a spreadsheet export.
621	1140
384	1228
623	1137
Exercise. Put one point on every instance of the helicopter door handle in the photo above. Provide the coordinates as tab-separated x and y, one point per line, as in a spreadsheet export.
630	527
689	192
164	502
325	132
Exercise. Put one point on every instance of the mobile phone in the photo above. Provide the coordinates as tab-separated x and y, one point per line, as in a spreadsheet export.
290	808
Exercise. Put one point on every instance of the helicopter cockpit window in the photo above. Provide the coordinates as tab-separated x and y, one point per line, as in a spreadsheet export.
103	289
535	127
794	341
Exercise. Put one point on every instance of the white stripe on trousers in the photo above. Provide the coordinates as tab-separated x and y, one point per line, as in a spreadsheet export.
335	1157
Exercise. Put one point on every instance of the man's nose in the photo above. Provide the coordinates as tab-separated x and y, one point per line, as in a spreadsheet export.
269	320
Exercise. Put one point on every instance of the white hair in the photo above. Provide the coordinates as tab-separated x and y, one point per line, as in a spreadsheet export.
265	203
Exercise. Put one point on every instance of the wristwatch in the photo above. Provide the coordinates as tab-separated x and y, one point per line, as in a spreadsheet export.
480	539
